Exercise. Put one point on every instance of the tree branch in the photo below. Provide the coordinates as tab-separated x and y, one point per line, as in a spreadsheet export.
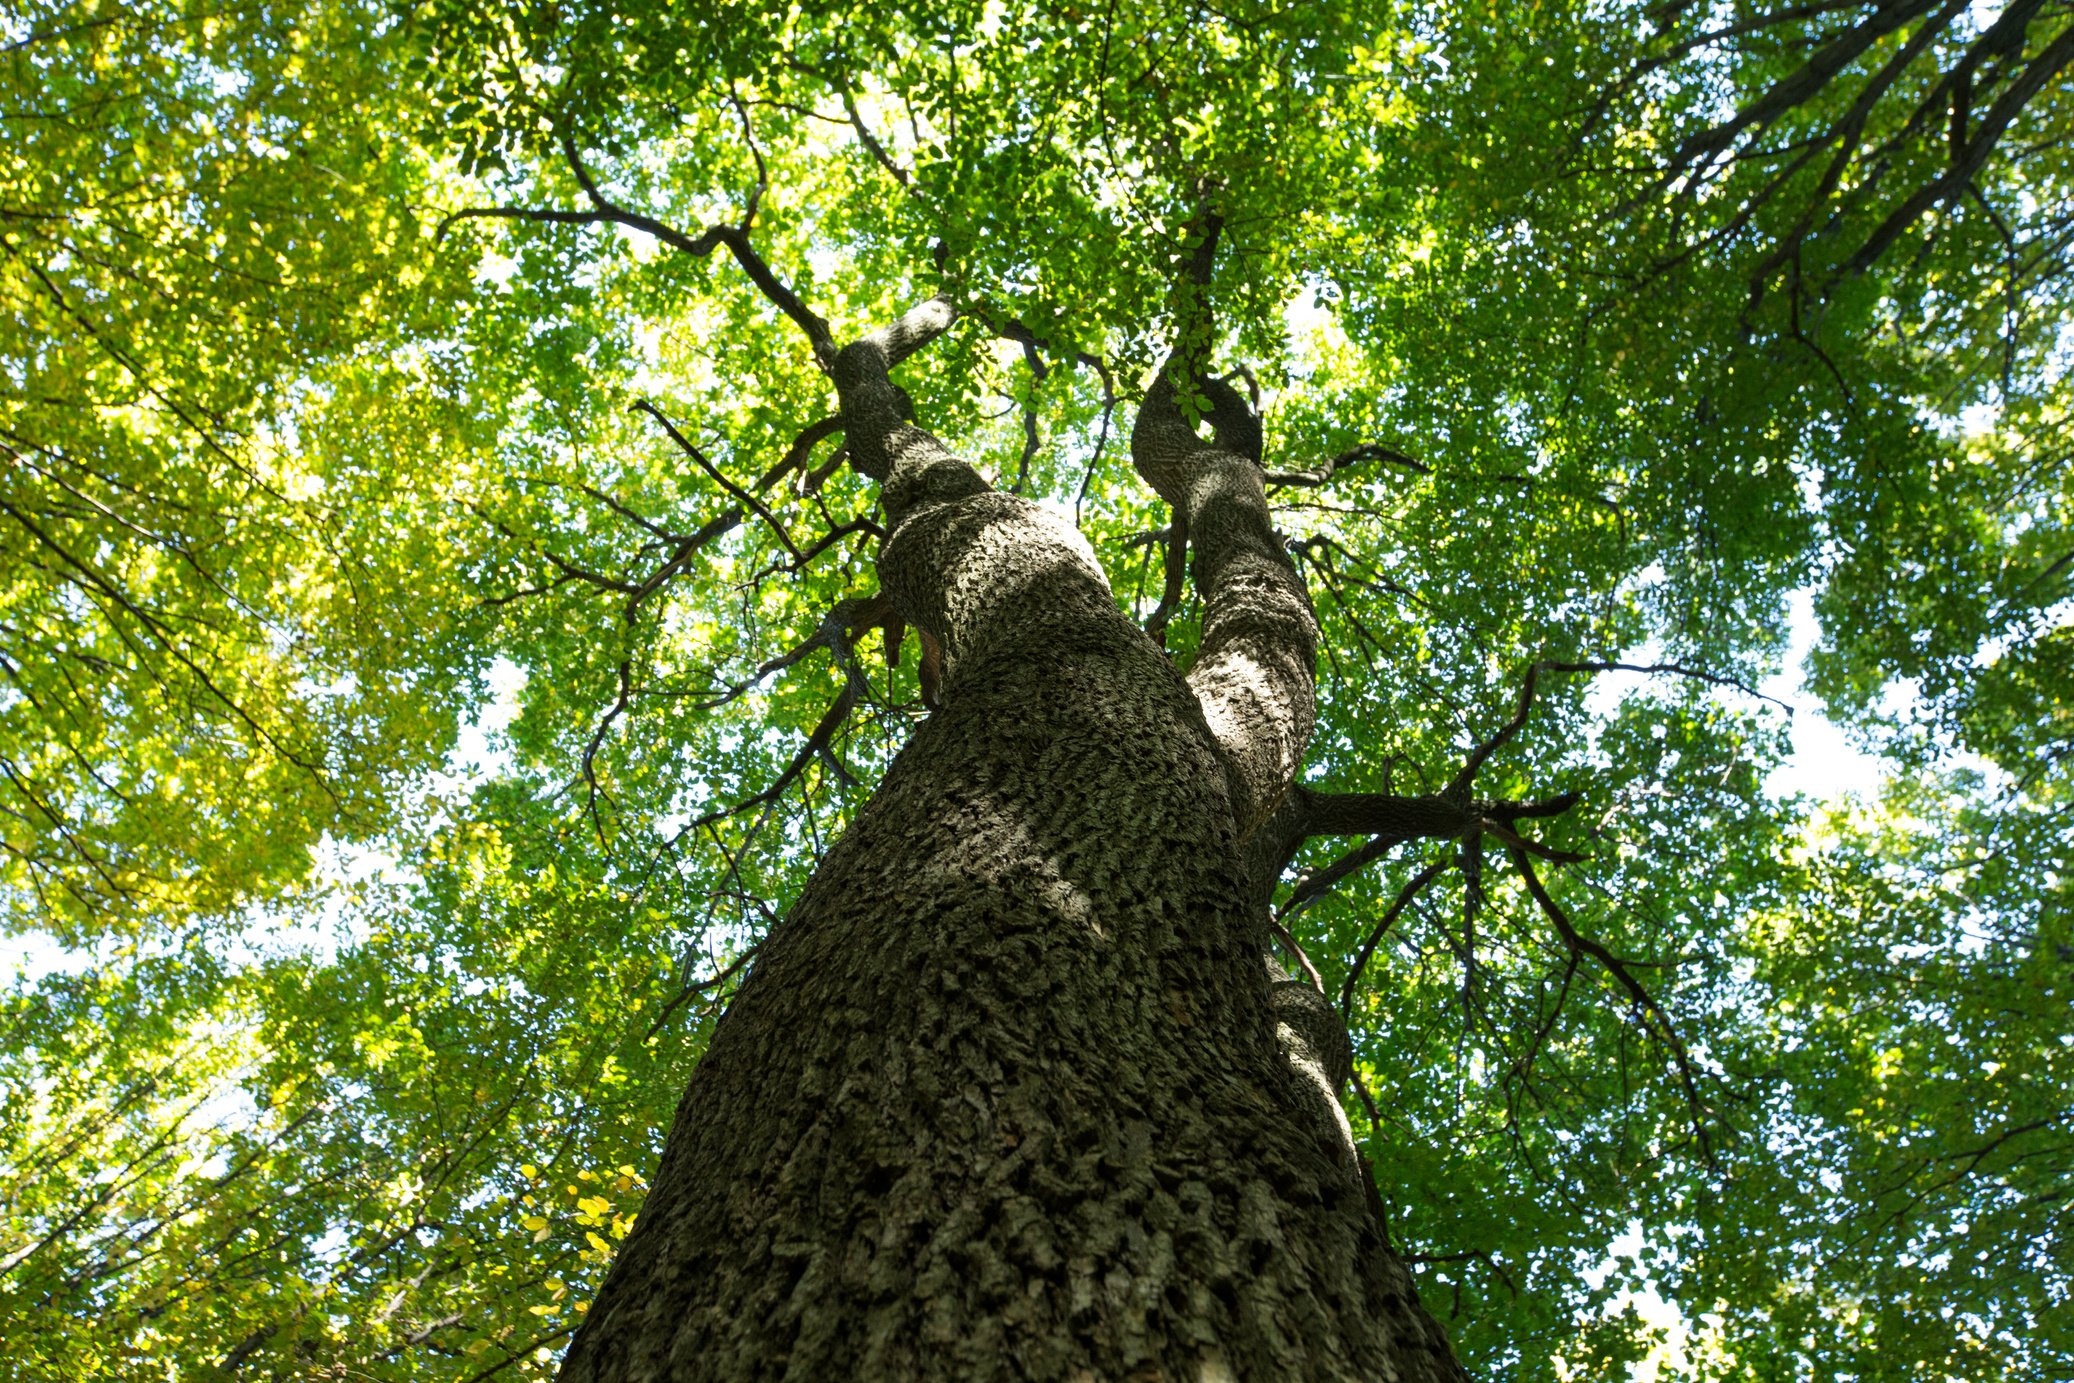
1411	890
1974	154
1578	943
700	246
1367	451
719	477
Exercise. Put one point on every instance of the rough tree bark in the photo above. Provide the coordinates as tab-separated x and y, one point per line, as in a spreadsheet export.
1010	1092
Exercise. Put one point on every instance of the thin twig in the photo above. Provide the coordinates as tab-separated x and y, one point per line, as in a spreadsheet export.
720	478
1411	890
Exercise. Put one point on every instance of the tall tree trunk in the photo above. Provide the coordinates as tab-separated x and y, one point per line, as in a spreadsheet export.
1003	1096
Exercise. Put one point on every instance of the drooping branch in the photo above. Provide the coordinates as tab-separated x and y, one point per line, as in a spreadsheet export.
1390	820
1622	972
719	477
1319	883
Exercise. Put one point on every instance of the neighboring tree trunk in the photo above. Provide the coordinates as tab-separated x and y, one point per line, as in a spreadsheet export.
1003	1096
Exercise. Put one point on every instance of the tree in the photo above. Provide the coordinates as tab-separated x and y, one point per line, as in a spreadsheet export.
1033	1115
530	346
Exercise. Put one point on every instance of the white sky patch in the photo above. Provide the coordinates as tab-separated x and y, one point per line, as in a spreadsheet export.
1824	763
1669	1357
495	269
34	956
641	245
1314	333
1304	316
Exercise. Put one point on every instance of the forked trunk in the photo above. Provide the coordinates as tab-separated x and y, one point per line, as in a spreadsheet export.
1003	1096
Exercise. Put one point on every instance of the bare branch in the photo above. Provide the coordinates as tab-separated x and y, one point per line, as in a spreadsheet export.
1367	451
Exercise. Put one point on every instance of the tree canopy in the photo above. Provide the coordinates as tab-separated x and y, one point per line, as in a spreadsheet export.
437	634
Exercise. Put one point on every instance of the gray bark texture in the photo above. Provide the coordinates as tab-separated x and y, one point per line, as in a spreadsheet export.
1010	1093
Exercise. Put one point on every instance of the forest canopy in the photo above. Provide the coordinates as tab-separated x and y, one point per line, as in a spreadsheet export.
439	634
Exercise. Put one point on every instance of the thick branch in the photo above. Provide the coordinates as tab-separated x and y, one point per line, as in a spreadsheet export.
1253	673
1798	87
910	464
1970	156
1382	813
